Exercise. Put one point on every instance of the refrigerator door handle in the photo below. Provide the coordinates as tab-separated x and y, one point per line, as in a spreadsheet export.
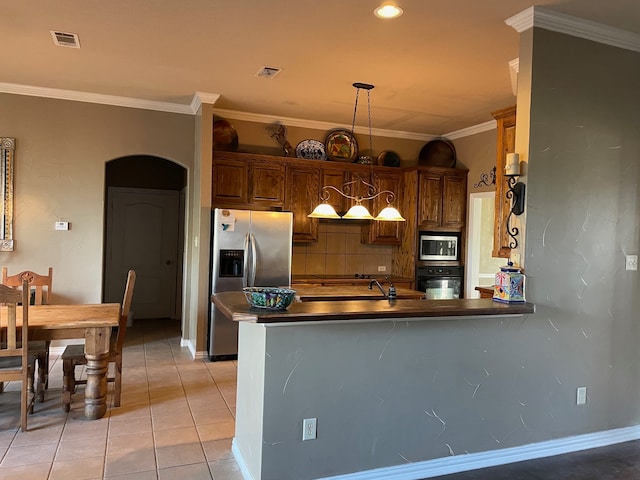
254	260
245	277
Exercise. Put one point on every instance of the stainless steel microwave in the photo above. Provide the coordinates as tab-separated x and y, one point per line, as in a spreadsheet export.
439	246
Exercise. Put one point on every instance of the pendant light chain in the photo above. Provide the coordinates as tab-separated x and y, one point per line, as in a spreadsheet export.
358	211
355	110
370	131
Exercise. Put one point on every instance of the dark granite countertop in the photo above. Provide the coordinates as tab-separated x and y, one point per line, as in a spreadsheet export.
235	306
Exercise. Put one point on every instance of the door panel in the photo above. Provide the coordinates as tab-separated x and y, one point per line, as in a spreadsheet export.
142	234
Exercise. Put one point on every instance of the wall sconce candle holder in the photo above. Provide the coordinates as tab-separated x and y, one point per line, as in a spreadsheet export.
516	193
486	179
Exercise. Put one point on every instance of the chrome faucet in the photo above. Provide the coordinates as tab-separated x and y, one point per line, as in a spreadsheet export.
392	289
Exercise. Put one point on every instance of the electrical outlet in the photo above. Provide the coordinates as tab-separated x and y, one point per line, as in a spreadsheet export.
309	429
632	262
382	268
581	396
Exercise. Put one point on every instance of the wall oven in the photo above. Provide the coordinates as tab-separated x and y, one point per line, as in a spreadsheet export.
438	246
440	282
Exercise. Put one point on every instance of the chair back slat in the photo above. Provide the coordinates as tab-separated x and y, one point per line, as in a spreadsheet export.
41	284
10	298
125	308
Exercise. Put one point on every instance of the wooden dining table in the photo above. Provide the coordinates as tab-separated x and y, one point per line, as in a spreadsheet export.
91	322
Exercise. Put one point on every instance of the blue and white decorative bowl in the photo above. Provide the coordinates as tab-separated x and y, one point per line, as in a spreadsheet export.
271	298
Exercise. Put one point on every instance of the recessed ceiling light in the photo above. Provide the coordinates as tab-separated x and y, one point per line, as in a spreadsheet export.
388	10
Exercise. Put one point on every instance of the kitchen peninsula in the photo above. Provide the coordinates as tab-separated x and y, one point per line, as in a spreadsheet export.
390	383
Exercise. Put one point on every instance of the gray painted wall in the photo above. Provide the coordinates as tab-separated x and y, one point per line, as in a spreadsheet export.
398	392
582	218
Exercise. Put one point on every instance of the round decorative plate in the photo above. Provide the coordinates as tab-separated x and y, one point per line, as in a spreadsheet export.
389	158
225	136
438	153
311	150
341	146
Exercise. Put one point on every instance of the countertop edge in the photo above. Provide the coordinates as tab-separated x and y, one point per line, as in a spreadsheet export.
234	306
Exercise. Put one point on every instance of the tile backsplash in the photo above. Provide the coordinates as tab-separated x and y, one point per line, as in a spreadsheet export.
339	251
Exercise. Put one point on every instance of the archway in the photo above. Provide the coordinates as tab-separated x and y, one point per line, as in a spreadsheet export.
144	230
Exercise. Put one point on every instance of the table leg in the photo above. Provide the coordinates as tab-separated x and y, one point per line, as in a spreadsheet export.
97	352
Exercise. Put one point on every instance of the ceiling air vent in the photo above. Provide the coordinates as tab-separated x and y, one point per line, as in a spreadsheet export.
63	39
268	72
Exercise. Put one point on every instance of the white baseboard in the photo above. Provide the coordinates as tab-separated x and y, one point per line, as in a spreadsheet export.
196	355
473	461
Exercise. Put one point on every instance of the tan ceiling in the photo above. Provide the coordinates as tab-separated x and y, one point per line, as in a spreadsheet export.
441	67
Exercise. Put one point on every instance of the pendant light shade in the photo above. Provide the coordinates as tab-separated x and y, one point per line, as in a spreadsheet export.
324	210
358	212
390	214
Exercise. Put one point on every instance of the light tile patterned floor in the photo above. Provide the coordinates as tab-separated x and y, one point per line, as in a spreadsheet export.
176	420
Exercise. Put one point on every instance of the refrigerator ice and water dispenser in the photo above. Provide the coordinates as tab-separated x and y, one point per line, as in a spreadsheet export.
231	263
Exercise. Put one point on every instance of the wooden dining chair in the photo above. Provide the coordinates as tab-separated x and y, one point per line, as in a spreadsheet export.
39	294
74	355
15	360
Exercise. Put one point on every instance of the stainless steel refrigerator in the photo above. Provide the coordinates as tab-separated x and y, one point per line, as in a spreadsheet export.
249	249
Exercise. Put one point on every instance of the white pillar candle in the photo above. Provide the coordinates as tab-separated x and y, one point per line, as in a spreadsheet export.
512	166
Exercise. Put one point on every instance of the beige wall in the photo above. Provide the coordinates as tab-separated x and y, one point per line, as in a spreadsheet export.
255	137
61	151
478	154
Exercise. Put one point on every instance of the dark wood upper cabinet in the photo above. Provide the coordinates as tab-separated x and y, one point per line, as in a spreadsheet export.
384	233
302	195
266	183
442	203
262	182
230	181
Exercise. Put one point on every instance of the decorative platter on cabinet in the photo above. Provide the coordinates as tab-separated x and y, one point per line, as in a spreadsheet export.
311	150
438	153
341	146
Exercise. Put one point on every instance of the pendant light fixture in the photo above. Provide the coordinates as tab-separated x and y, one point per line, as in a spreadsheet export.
358	190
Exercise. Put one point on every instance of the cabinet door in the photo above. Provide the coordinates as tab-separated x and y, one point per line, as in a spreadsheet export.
358	181
336	178
430	200
506	130
266	183
303	186
384	233
229	183
454	201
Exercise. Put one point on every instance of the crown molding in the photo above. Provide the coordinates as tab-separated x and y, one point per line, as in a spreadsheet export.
574	26
75	96
211	98
473	130
201	97
319	125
